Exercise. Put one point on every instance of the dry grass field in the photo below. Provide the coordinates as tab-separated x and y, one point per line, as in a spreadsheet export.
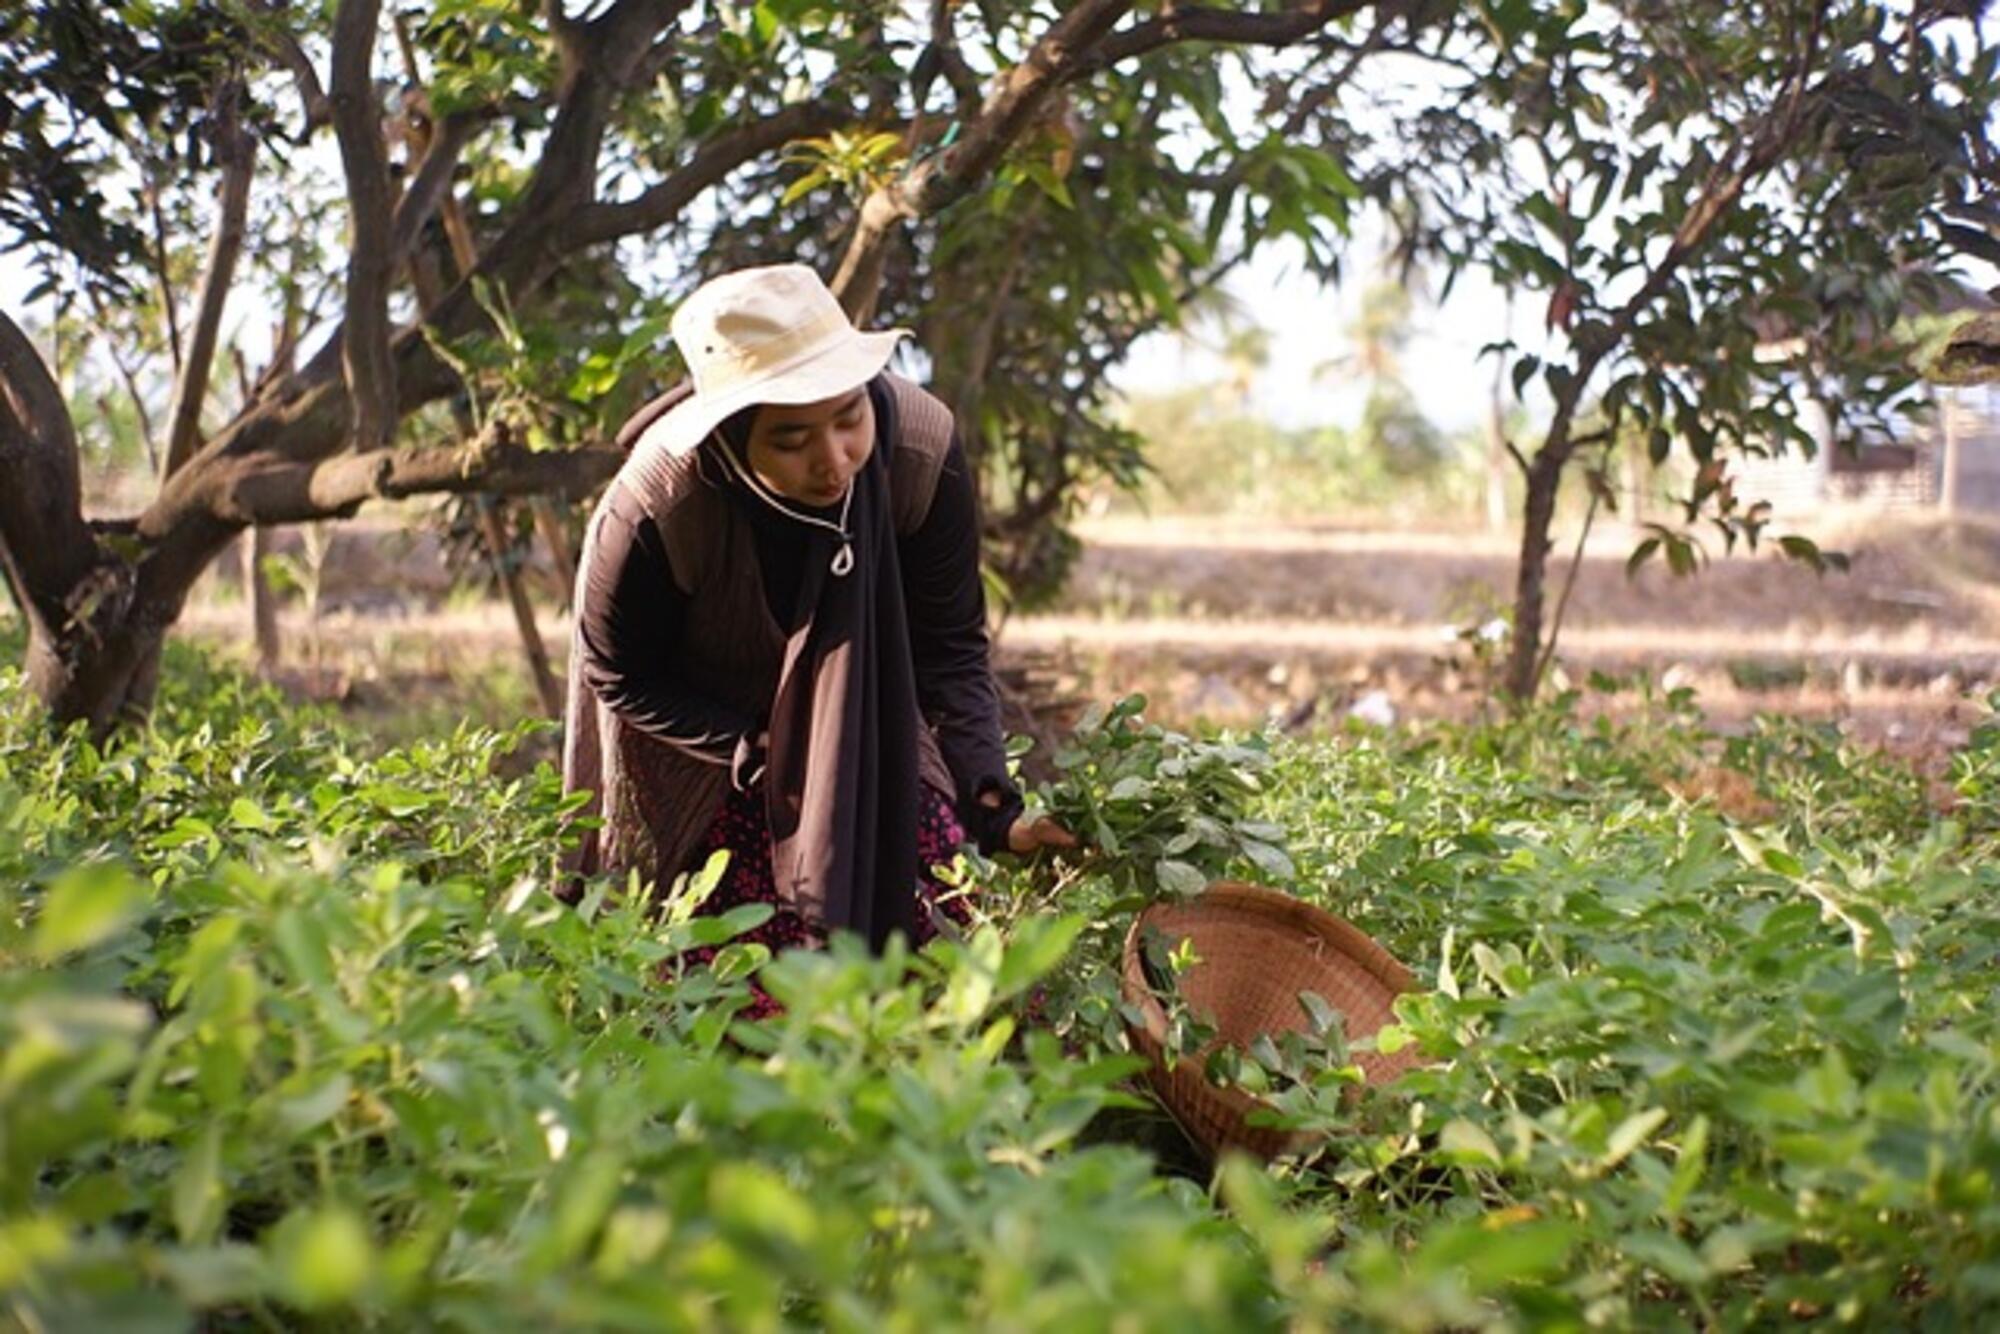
1243	623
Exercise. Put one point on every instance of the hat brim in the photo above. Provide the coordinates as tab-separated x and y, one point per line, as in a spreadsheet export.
827	372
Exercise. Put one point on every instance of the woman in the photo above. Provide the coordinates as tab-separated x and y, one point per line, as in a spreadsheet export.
781	641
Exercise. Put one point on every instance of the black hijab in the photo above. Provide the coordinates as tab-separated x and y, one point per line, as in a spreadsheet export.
841	784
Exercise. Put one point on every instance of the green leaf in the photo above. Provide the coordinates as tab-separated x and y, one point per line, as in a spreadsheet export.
1468	1144
1523	371
316	1106
1039	944
301	940
1052	185
210	1276
1690	1166
1640	555
1783	863
974	978
1322	1016
1272	861
197	1188
1632	1132
1178	878
803	186
399	800
323	1256
86	905
1667	1255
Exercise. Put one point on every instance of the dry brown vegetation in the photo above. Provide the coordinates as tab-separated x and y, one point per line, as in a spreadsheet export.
1241	624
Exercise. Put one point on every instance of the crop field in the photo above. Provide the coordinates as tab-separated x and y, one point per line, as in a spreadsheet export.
296	1035
1521	479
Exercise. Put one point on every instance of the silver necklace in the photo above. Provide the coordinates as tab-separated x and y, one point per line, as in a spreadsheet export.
843	559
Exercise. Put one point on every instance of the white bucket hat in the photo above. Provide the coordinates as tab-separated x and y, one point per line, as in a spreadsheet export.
765	335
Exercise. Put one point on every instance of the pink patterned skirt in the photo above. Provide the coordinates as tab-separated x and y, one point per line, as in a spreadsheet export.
743	828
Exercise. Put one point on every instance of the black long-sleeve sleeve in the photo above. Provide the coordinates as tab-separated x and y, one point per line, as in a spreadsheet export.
947	609
631	621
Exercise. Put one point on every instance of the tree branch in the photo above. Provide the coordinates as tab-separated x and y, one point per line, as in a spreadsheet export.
1720	192
306	417
1201	23
431	183
710	166
131	381
941	179
951	63
619	43
236	150
284	48
1082	41
492	463
1057	56
365	359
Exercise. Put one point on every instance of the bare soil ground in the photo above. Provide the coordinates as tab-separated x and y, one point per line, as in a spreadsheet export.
1239	623
1235	623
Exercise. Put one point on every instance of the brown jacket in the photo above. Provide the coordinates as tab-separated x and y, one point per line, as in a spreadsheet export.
655	802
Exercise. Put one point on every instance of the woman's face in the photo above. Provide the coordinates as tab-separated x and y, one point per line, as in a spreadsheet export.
809	452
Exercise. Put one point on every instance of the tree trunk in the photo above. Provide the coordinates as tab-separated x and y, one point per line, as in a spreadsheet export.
103	675
493	528
261	600
1496	453
1951	483
549	525
1544	478
1637	481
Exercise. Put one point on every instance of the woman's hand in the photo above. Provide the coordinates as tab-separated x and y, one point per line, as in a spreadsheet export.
1029	836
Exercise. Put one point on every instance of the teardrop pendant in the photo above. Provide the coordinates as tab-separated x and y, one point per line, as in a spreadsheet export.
843	560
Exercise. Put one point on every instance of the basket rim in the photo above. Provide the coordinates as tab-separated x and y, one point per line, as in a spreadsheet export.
1352	943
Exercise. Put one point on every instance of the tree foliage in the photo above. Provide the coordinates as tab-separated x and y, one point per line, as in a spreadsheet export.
523	189
1720	211
473	299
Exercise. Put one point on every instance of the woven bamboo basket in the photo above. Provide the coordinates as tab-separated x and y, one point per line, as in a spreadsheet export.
1257	950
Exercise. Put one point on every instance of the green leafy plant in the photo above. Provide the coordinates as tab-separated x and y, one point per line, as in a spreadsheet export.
1163	812
291	1033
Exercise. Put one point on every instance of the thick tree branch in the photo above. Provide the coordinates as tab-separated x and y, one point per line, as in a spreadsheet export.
710	166
235	150
1022	92
357	121
1079	43
621	48
305	418
950	62
284	48
1201	23
566	30
292	493
941	179
46	549
431	183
